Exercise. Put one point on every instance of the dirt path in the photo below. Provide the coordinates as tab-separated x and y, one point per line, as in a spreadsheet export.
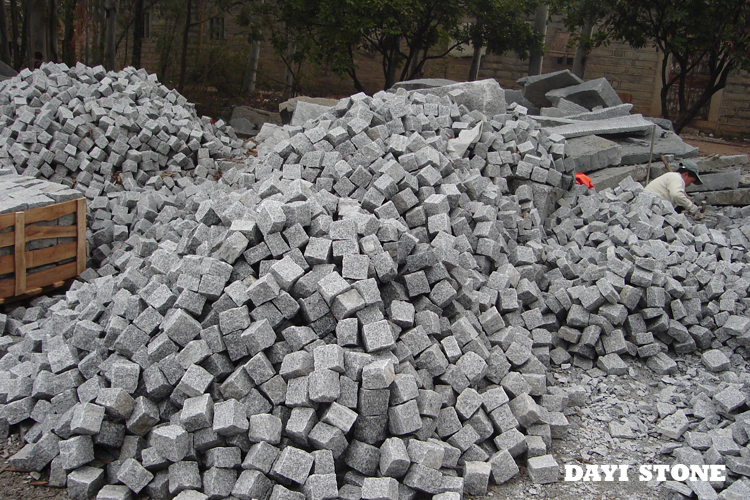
23	485
710	146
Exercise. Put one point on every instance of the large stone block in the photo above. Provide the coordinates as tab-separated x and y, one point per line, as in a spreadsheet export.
589	94
536	87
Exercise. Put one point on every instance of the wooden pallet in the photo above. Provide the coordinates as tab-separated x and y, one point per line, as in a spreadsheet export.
25	229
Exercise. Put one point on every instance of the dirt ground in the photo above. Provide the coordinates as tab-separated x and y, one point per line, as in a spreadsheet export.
709	146
23	485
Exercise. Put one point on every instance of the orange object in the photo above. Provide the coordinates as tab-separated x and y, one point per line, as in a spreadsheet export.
584	179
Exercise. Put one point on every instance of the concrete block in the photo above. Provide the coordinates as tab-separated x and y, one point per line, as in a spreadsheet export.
195	381
218	483
503	466
76	452
535	87
324	436
87	419
477	477
184	476
265	427
394	458
145	415
362	457
543	470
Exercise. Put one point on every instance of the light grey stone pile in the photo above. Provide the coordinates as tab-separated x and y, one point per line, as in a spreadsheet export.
105	132
632	277
364	310
322	310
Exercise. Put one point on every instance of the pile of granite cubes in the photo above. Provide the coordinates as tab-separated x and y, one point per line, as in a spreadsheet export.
105	132
367	309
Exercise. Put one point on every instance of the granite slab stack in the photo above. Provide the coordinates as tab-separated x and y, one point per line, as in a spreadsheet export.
601	130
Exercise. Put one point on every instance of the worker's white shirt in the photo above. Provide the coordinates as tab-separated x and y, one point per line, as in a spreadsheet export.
670	187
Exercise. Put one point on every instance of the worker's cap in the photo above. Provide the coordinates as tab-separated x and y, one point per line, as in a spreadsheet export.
691	167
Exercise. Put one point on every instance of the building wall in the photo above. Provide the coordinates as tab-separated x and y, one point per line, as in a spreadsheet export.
734	114
634	74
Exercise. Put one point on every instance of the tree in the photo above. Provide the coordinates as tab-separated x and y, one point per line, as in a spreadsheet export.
110	8
14	24
580	17
541	16
68	42
404	34
712	35
185	40
4	48
138	32
501	26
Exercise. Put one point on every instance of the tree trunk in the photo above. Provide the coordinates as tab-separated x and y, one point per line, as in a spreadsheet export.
540	26
582	50
38	32
4	49
476	61
185	40
68	43
111	50
101	43
54	54
138	32
390	69
17	57
289	72
26	38
717	81
251	71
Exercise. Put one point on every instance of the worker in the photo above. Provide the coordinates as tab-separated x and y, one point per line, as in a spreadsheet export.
671	187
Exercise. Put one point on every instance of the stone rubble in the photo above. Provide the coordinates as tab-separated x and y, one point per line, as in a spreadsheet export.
105	132
358	311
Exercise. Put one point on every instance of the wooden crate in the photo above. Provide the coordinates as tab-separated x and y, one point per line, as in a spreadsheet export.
27	272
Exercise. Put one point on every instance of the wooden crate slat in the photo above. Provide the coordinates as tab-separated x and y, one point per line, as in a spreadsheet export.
81	226
8	264
8	239
7	287
41	232
25	229
20	253
59	273
51	212
51	254
7	220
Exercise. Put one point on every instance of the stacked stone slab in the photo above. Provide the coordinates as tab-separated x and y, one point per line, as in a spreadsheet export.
19	193
603	132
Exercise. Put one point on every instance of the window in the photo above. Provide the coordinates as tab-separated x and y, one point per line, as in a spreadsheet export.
216	28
